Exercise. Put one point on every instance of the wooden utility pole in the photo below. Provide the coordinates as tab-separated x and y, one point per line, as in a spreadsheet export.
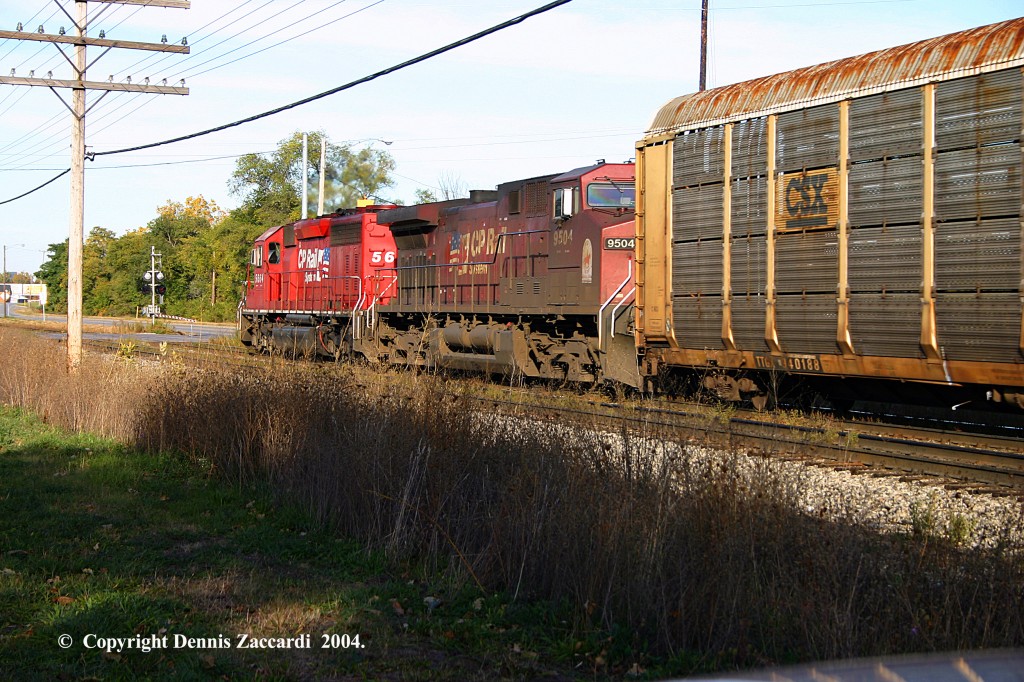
703	45
78	109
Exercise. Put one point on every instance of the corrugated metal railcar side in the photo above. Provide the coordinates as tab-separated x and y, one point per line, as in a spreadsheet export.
857	218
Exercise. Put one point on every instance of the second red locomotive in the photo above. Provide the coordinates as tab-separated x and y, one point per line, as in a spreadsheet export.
534	277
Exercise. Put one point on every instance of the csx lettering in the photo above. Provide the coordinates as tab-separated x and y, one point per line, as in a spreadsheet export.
804	195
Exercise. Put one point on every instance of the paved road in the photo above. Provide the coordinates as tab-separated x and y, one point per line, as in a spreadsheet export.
188	332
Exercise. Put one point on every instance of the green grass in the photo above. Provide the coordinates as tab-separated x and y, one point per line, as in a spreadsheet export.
96	539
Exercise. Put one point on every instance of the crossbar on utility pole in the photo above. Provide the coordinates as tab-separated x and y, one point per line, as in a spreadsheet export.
78	86
95	85
95	42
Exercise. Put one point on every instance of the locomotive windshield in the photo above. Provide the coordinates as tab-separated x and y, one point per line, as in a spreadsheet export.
611	195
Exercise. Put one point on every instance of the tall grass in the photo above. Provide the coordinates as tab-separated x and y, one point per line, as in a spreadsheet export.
673	551
102	397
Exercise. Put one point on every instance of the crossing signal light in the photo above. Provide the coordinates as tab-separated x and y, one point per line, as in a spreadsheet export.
161	289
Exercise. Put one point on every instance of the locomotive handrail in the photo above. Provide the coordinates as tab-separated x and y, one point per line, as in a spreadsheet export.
371	309
600	312
359	291
294	291
615	310
494	258
359	300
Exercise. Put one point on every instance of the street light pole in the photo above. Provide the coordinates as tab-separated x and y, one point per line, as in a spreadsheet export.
703	76
6	278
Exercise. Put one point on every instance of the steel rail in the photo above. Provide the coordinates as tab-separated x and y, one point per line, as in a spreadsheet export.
841	444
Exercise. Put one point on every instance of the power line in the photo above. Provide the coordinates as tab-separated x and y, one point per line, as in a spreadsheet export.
196	41
47	66
31	19
105	106
53	179
155	163
398	67
281	42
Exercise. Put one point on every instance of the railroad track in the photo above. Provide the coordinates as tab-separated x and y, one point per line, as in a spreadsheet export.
199	353
978	463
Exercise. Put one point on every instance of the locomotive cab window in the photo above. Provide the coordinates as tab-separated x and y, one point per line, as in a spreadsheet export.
257	258
611	195
566	202
274	253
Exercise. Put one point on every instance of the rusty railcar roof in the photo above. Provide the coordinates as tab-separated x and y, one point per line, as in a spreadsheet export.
977	50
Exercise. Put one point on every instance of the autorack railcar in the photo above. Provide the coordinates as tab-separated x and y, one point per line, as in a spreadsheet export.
859	219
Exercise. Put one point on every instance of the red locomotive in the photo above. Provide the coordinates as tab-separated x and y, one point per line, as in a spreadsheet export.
535	277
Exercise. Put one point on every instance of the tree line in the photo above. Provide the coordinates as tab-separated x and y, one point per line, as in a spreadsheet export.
205	250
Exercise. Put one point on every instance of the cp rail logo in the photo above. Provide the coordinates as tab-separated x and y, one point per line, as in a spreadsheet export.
807	200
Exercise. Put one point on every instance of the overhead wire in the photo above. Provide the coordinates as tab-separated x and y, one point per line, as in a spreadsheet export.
277	44
36	189
180	73
260	22
28	23
45	66
347	86
351	84
192	35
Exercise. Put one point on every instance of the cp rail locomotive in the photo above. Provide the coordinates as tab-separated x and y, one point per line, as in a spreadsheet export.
855	221
534	277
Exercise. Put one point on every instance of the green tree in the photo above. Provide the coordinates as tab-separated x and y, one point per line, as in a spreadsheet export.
215	266
425	196
205	252
54	273
127	260
96	274
271	185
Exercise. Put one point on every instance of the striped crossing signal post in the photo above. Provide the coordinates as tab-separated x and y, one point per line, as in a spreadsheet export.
154	280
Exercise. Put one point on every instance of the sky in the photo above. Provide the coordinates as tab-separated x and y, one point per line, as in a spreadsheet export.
558	91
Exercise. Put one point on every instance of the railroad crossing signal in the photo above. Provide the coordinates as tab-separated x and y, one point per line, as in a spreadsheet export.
154	279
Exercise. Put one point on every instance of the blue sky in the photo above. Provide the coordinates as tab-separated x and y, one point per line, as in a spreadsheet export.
558	91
